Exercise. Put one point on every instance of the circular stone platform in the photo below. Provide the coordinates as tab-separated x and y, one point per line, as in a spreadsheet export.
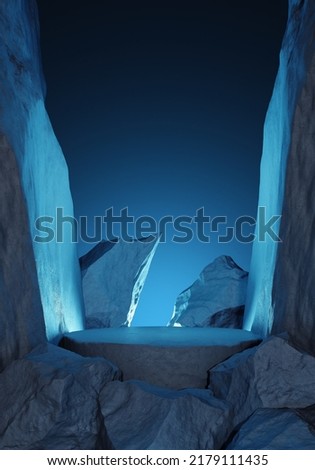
164	356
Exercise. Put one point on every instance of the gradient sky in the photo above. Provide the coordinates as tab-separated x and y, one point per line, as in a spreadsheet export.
159	107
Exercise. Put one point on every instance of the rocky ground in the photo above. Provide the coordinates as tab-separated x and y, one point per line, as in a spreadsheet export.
262	398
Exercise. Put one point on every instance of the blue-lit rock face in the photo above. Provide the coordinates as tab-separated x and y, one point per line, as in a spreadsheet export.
216	298
38	173
282	276
113	275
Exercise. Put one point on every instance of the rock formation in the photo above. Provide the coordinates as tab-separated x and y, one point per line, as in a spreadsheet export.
50	400
271	375
34	183
282	275
215	299
113	275
274	430
140	416
20	304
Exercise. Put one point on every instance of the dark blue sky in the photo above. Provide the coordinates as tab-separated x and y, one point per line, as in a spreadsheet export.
159	107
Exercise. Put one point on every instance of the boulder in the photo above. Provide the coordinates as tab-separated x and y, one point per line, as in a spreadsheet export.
113	275
282	275
141	416
215	299
271	375
34	183
50	400
274	430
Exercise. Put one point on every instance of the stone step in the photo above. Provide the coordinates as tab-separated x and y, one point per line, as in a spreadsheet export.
168	357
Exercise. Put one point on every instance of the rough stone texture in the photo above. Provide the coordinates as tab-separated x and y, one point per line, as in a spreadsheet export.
20	305
271	375
215	299
274	430
35	168
282	276
227	318
50	400
139	416
308	415
113	275
167	357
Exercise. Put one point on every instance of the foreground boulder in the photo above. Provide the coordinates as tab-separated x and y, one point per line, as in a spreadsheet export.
216	299
282	275
50	400
274	430
113	275
34	183
141	416
271	375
